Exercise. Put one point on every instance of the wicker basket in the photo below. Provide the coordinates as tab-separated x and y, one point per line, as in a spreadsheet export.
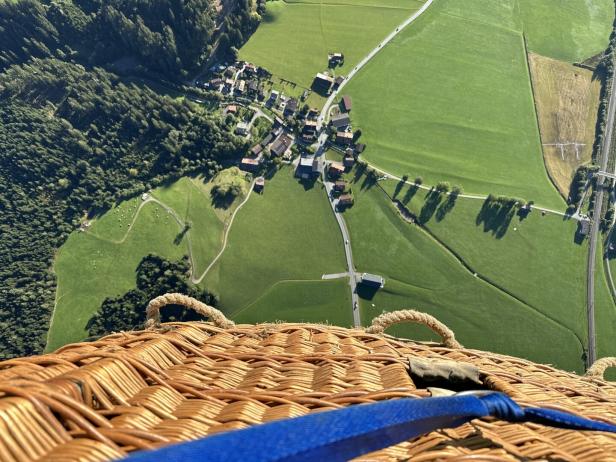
180	381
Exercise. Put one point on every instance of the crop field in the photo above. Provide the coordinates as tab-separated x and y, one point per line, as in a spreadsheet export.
567	100
295	37
450	99
287	234
101	262
423	274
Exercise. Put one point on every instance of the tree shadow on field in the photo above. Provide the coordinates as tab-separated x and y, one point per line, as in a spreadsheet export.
360	170
180	236
433	199
410	193
446	207
495	217
370	180
398	188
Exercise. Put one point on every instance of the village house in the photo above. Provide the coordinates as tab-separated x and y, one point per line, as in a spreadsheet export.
259	184
323	82
267	140
291	107
241	87
253	88
242	129
584	227
310	128
229	85
336	59
348	161
344	138
231	109
341	121
317	165
346	103
340	186
346	200
335	169
338	81
313	114
256	150
273	99
281	145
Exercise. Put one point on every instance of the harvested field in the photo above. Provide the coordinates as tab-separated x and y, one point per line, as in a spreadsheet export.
567	98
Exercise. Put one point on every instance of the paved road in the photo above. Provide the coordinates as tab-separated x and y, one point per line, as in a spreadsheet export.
595	227
366	60
348	251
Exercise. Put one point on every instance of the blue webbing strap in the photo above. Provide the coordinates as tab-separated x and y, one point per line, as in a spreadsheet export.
356	430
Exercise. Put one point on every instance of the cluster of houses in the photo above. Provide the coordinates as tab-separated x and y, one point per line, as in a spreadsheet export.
240	79
277	143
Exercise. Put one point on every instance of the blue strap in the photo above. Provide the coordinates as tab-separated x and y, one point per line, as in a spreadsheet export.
356	430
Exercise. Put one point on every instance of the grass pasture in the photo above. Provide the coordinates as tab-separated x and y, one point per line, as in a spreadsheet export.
568	30
423	274
567	100
295	37
101	262
450	99
286	236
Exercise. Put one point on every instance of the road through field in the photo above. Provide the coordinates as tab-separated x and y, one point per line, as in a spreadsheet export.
596	225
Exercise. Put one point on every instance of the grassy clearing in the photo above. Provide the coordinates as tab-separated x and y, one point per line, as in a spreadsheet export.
287	234
302	301
89	269
567	100
569	30
101	263
422	274
450	99
294	39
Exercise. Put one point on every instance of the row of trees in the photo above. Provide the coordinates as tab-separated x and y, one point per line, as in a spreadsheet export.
74	140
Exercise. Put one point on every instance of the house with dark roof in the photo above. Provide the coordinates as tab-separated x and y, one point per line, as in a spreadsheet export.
348	161
267	140
281	145
250	164
341	121
291	107
256	150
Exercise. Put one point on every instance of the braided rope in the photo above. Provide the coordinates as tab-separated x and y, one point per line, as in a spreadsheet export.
598	368
382	322
153	310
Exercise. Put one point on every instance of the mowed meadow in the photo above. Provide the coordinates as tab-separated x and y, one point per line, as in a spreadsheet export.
295	37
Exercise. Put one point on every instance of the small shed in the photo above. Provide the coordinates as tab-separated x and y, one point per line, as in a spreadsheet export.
259	184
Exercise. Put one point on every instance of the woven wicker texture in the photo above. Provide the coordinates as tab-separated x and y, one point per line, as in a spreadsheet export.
138	390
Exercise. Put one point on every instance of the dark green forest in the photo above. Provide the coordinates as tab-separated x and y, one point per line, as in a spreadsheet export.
168	37
76	138
155	276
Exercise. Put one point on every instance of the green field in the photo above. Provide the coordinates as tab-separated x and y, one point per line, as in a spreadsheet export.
569	30
288	235
295	37
450	99
101	262
529	283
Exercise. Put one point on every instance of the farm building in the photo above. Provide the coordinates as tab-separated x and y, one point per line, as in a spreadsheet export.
344	138
281	145
250	164
259	184
341	121
346	103
372	280
323	82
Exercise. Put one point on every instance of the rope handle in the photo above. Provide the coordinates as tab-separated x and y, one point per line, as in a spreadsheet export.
386	320
598	368
153	310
